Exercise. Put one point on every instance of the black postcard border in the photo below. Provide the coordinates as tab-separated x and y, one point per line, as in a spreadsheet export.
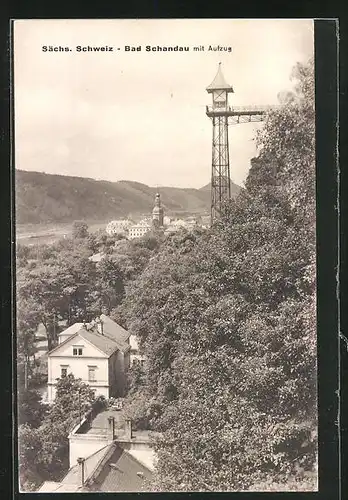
327	238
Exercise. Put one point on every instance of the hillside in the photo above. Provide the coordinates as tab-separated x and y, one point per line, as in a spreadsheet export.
46	198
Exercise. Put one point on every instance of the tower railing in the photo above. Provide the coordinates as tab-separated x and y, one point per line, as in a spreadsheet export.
242	110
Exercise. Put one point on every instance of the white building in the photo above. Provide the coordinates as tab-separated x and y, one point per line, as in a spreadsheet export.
139	230
118	227
175	225
98	354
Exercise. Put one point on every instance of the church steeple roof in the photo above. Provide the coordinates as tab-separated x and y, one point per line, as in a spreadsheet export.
219	82
157	208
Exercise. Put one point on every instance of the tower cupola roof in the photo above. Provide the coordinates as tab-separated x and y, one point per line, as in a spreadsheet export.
219	82
157	208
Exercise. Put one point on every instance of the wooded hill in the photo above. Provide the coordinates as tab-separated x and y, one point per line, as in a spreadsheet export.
42	198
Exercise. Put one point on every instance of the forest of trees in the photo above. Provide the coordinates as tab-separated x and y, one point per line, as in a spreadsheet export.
225	317
229	327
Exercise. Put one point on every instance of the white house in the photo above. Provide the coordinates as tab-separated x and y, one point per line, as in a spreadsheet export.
98	353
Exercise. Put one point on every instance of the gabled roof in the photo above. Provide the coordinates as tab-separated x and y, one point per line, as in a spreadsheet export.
72	480
114	330
72	329
113	338
101	342
90	465
219	82
110	469
121	472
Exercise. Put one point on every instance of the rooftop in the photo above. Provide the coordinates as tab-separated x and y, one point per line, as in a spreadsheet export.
219	82
71	330
122	472
113	329
105	334
110	469
101	342
99	426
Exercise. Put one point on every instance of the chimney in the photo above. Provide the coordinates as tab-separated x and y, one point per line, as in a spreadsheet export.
100	326
81	462
111	427
128	428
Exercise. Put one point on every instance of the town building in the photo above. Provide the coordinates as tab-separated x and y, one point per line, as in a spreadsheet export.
118	227
107	455
166	220
139	230
97	353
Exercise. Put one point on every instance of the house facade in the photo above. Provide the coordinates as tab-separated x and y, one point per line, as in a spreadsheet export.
118	227
139	230
99	356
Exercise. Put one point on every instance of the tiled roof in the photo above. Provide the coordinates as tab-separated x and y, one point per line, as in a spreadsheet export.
72	481
90	464
72	329
121	472
110	469
101	342
114	330
114	337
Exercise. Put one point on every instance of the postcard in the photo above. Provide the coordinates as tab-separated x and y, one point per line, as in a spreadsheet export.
166	279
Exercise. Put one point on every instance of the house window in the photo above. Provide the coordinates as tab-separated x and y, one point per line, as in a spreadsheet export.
91	373
63	371
77	351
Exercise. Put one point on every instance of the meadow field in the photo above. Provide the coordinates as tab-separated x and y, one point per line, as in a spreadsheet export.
34	234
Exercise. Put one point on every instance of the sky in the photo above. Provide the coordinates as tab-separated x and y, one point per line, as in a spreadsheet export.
139	115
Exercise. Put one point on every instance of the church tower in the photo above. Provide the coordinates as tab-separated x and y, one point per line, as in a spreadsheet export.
157	212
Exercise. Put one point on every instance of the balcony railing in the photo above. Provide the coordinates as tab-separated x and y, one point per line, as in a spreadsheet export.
242	110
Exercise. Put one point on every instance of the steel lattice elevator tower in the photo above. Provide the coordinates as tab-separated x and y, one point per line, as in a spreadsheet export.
220	173
221	115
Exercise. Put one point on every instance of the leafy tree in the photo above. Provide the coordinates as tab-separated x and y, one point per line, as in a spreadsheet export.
80	229
44	451
109	285
27	320
227	321
22	254
31	411
73	399
29	447
59	289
